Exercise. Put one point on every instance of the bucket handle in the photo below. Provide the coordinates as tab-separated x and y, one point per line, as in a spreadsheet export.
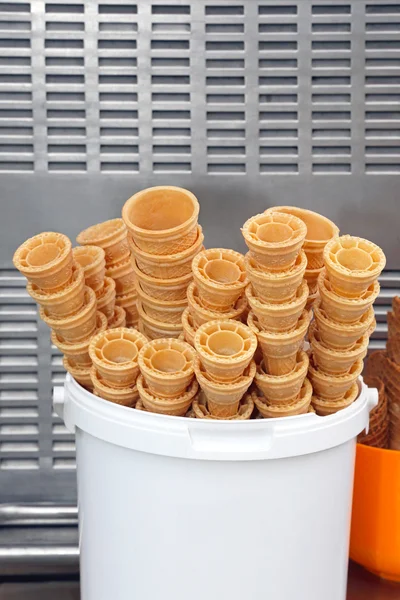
372	402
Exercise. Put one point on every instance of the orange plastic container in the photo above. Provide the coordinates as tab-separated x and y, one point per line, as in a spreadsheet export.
375	528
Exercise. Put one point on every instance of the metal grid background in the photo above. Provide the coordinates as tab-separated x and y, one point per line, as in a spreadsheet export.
248	103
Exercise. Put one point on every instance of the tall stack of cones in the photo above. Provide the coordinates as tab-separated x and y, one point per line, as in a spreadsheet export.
164	237
277	295
69	307
344	320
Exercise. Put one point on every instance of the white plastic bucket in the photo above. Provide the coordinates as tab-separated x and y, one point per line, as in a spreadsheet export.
183	509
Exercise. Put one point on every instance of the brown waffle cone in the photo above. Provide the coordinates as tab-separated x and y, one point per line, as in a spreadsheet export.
93	262
396	307
345	310
280	349
278	317
189	328
312	276
125	396
124	276
283	389
324	407
331	360
80	373
167	311
114	354
244	412
341	335
154	329
200	314
311	300
163	219
333	387
177	406
352	265
393	325
129	303
79	352
78	326
111	235
45	260
274	239
168	290
68	300
106	298
118	319
393	348
299	406
375	365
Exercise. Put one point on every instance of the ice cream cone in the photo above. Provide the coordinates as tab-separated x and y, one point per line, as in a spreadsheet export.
201	314
163	219
223	398
106	298
166	311
153	329
220	277
129	303
393	348
177	406
79	352
333	361
325	407
352	265
274	239
312	276
299	406
123	275
189	328
80	373
396	307
111	235
319	231
342	309
275	286
118	319
375	365
78	326
391	378
310	301
225	348
67	301
280	349
168	266
45	260
379	414
283	389
393	325
93	262
278	317
114	354
167	365
168	290
341	335
244	412
124	396
333	387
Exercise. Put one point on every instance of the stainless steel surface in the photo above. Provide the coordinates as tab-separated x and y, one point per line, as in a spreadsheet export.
12	515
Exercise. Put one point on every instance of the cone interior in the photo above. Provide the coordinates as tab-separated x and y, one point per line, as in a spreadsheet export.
319	228
354	254
87	256
168	361
43	255
274	232
159	209
119	351
225	343
354	259
222	271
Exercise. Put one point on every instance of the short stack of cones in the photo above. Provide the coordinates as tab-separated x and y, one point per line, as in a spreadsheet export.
225	369
114	354
277	295
344	320
56	281
164	237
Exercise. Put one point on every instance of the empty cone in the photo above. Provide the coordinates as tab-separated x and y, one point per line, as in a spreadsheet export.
129	303
118	319
167	311
244	412
283	389
106	298
111	235
114	354
79	352
310	301
223	398
189	328
200	314
177	406
341	335
393	325
325	407
153	329
68	300
312	276
278	317
352	265
333	387
375	365
45	260
342	309
396	307
274	239
280	349
93	262
393	348
124	276
124	396
225	348
162	289
78	326
299	406
80	373
334	361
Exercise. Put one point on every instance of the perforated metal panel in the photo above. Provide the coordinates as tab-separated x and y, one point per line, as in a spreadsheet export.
248	103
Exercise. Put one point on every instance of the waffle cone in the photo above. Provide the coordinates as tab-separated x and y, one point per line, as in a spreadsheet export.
167	406
375	365
163	219
311	300
80	373
333	387
278	317
189	328
78	326
280	349
168	290
157	329
274	239
169	266
114	354
352	265
345	310
220	277
391	379
325	407
299	406
200	314
129	303
123	275
111	235
275	286
312	276
118	319
244	412
93	262
333	361
166	311
67	301
124	396
393	348
282	389
45	260
225	349
79	352
341	335
106	298
396	307
393	325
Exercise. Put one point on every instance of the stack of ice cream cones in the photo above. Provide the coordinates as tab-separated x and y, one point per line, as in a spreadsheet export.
224	368
69	307
277	295
344	320
114	354
164	237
